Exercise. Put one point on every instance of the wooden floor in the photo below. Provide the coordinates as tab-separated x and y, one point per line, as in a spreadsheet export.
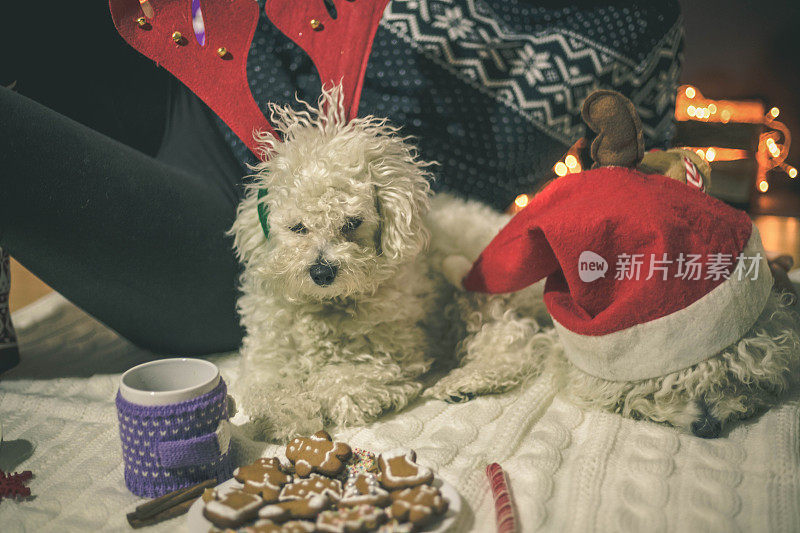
779	234
25	287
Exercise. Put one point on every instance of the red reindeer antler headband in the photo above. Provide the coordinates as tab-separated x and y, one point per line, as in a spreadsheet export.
336	34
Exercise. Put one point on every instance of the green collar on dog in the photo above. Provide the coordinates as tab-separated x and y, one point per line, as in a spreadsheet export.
263	211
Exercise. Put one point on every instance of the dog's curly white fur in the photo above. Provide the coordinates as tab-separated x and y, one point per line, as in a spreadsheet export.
345	305
736	383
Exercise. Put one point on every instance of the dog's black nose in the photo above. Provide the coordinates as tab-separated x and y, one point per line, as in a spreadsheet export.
706	426
323	273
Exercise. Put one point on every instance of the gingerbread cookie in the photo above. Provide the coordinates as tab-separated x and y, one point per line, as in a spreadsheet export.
306	509
233	508
419	505
265	476
351	520
208	495
363	488
295	526
313	485
399	470
317	453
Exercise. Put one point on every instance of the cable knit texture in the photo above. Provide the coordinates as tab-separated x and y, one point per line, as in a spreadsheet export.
169	447
569	470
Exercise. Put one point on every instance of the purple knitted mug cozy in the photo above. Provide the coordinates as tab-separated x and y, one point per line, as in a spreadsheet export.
169	447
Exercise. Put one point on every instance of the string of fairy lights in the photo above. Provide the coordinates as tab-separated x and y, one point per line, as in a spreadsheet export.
773	142
690	104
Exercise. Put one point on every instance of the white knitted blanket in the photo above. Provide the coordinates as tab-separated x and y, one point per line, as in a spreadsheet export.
570	471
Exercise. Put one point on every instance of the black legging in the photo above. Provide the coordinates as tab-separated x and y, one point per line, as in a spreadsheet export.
134	240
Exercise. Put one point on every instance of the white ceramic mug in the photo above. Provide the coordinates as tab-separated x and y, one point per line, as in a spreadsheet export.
168	381
173	421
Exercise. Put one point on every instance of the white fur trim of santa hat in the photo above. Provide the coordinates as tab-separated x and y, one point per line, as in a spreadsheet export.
683	338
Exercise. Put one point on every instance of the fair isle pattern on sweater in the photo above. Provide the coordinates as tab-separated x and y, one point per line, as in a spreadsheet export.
544	75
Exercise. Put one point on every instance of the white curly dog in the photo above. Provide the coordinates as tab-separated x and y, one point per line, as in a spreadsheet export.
346	304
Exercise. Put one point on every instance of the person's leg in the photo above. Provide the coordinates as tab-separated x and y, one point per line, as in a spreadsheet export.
134	241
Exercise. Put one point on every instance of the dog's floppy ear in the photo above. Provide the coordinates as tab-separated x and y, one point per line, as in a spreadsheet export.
402	199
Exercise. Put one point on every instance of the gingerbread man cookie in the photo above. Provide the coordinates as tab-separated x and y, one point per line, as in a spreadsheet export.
399	470
351	520
233	508
311	486
419	505
317	453
265	476
306	509
363	488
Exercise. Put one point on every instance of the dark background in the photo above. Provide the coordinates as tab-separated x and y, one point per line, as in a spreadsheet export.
69	57
741	49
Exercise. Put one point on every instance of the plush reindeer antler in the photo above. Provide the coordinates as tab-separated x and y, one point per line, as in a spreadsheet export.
619	142
613	117
220	80
336	34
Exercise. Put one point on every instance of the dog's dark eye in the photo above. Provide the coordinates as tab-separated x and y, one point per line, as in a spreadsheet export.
351	224
299	228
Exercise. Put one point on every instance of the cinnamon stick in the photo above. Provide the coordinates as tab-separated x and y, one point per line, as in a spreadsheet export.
168	501
166	514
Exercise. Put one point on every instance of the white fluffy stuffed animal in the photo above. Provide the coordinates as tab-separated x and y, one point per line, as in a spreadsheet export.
344	303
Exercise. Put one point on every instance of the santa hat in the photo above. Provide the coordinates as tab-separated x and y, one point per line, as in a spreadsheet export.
645	275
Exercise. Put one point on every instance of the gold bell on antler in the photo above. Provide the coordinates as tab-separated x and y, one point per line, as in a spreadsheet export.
177	37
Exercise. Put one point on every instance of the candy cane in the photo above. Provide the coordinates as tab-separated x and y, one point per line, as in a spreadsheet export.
693	176
503	506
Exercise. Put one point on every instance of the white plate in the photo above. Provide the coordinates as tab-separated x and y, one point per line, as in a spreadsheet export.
197	523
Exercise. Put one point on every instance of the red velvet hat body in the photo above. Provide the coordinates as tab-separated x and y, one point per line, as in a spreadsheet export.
611	211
